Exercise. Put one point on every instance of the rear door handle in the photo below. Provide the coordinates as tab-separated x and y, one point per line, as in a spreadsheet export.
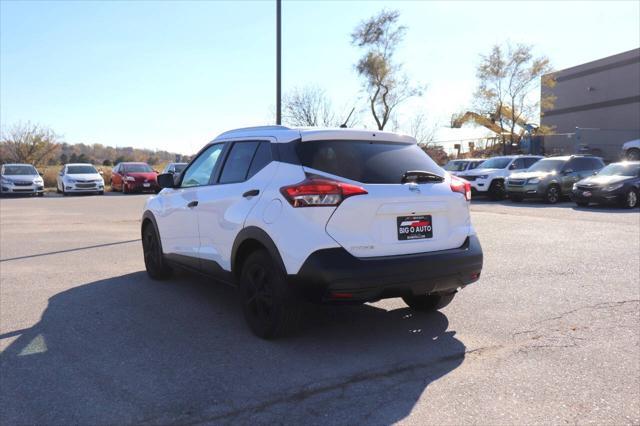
192	204
251	193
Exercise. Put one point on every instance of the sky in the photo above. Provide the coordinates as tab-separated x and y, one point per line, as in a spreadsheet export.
172	75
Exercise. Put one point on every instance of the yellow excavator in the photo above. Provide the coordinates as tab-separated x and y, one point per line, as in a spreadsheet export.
490	121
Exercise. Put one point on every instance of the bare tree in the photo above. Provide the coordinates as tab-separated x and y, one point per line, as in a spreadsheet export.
29	143
507	78
421	130
384	81
308	106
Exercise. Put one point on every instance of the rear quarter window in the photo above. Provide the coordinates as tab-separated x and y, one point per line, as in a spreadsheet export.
365	161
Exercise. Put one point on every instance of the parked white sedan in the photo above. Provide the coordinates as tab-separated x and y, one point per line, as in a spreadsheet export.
79	178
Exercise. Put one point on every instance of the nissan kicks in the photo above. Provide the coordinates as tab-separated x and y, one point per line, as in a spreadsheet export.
321	215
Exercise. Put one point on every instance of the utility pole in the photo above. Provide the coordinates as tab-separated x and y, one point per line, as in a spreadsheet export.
278	65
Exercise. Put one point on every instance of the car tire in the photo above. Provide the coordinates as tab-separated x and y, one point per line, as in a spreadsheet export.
428	302
552	195
124	188
154	262
41	194
631	199
58	189
516	198
582	203
113	188
64	193
100	192
496	190
268	305
633	154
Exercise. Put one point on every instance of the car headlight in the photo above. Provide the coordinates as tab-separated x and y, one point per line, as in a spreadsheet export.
483	176
613	187
575	186
129	178
533	180
6	181
69	180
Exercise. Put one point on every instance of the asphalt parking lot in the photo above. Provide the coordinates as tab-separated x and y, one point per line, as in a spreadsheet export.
550	333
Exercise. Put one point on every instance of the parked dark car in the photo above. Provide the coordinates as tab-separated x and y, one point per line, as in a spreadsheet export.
618	183
552	178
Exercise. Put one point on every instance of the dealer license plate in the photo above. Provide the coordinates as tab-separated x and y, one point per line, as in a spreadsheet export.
414	227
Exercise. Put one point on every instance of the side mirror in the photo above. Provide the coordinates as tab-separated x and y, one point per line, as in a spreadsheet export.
567	171
171	171
41	174
512	166
165	180
155	171
595	173
101	172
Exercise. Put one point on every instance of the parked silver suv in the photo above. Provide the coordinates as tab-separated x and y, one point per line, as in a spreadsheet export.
552	178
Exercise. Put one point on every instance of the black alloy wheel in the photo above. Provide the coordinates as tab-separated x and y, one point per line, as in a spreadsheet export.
269	307
154	262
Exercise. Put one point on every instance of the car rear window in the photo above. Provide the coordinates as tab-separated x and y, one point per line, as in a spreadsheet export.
365	161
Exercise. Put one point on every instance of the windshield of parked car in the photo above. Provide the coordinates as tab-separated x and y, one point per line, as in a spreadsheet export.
496	163
136	168
19	170
456	166
475	164
546	166
630	170
79	170
179	167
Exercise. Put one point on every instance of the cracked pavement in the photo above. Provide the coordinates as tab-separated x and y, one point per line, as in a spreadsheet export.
550	333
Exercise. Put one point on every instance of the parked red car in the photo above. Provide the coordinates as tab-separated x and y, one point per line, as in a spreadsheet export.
134	177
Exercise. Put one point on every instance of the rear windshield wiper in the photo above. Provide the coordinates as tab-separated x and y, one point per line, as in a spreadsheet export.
419	176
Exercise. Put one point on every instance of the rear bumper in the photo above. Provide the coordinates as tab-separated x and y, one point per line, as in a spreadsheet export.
334	275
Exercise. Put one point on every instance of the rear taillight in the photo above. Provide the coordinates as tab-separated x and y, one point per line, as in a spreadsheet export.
315	192
461	186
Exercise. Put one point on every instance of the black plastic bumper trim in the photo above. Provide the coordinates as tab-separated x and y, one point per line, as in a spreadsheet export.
330	271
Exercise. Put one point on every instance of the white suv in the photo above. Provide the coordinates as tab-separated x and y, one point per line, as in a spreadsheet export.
489	177
324	215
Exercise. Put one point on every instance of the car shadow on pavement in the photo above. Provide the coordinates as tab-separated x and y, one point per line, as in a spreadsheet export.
131	350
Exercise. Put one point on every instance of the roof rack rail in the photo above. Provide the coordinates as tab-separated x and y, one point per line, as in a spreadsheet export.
244	129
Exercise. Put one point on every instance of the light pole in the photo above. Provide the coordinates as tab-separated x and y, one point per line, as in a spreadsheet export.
278	65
